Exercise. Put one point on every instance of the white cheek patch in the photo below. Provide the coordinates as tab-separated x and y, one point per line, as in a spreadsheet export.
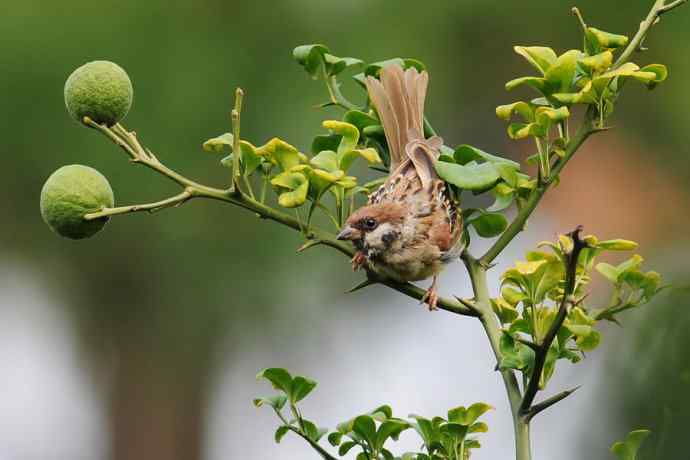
376	239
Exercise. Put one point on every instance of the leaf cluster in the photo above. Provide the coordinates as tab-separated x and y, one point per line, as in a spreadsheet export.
587	77
533	289
370	434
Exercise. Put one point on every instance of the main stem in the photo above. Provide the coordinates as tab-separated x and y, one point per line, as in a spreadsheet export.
480	287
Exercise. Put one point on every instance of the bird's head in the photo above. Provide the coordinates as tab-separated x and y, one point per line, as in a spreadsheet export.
375	227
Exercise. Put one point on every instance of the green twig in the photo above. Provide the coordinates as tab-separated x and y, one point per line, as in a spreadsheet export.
660	7
518	224
545	344
300	432
482	303
235	118
334	92
173	201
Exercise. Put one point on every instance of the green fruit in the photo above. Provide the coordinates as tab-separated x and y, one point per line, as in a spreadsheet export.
100	90
70	193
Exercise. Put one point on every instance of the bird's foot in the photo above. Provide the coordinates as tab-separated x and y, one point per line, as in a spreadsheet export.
431	297
358	261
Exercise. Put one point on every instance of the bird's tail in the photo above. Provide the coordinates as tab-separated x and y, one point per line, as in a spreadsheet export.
399	100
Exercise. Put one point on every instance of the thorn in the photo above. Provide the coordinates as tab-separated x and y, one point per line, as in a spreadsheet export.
323	105
469	305
537	408
579	301
309	244
366	283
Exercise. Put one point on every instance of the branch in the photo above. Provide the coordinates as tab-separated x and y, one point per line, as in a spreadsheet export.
518	225
660	7
543	349
323	452
235	119
336	95
141	155
173	201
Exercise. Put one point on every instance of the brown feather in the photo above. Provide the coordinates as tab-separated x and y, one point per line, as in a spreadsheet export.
417	224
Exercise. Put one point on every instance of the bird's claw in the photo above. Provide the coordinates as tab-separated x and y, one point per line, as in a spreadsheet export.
431	299
359	260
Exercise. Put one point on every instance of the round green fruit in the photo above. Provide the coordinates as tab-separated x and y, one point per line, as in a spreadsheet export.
100	90
70	193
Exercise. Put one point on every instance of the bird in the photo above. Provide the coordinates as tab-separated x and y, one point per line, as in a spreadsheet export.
410	227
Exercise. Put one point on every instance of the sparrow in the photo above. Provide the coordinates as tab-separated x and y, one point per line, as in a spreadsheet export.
410	227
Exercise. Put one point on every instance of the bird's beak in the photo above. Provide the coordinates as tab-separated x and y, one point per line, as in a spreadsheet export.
347	233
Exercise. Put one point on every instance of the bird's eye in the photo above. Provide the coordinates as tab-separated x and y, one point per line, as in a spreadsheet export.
370	223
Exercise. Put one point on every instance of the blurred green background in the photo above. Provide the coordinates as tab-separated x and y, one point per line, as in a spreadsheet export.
159	309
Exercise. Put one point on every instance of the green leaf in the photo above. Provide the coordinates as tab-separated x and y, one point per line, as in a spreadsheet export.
280	432
475	411
469	177
375	131
502	202
632	263
489	225
540	57
345	159
312	431
346	447
335	438
506	312
279	378
220	144
326	160
608	271
384	409
659	70
546	116
280	153
464	154
479	427
250	160
561	74
325	142
455	431
296	185
277	401
301	387
514	354
598	40
310	57
597	63
349	133
390	429
519	131
416	63
512	295
535	82
336	65
373	69
617	245
360	119
525	110
627	450
365	427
